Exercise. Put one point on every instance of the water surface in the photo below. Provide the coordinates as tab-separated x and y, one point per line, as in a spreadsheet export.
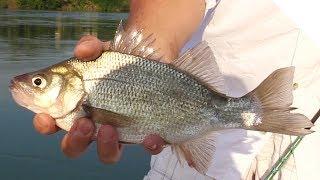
30	40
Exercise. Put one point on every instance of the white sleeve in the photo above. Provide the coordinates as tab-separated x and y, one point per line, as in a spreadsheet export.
166	166
305	14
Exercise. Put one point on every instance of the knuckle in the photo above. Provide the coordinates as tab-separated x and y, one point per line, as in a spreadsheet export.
69	153
40	128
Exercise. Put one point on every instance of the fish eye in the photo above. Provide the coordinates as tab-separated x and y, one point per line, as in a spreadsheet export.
39	81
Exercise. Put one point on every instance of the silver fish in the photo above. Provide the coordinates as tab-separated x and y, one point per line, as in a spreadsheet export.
184	102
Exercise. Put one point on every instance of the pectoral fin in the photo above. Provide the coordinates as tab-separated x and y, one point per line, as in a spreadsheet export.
197	152
104	117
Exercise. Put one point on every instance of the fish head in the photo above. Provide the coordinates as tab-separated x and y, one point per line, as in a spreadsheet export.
55	91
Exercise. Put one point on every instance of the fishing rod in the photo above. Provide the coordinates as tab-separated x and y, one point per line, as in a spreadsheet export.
288	152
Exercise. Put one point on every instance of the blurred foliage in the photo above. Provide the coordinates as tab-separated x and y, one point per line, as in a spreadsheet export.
113	5
68	5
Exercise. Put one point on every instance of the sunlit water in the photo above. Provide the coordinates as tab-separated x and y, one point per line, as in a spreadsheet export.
30	40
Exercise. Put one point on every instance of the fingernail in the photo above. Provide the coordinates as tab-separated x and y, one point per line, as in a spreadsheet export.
149	144
42	123
85	128
153	147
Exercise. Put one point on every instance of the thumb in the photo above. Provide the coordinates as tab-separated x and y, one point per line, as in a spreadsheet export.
89	48
154	144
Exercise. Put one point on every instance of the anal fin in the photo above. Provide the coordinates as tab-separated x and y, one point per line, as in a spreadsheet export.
197	152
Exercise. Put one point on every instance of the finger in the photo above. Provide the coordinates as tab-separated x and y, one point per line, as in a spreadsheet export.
105	45
154	144
45	124
78	138
109	149
88	48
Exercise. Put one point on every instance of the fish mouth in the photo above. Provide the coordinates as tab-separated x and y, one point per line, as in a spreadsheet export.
13	86
22	94
18	93
14	83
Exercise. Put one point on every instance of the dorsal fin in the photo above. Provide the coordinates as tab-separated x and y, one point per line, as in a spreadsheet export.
134	42
200	63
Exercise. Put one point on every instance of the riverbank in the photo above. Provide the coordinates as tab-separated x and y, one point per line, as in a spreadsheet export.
68	5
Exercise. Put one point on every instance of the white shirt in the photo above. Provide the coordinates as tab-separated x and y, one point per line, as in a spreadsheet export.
250	39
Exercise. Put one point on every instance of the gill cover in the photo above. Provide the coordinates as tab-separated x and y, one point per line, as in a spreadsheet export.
71	91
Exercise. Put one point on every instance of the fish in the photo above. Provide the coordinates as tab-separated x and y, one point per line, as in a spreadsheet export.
184	102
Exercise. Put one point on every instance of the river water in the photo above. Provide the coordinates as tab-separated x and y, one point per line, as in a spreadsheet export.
30	40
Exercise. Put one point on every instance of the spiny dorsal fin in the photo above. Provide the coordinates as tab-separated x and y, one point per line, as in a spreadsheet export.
200	63
197	152
134	42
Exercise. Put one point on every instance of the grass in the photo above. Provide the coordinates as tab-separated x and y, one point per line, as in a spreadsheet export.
68	5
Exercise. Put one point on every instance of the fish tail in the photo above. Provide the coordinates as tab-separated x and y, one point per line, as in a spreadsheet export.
275	97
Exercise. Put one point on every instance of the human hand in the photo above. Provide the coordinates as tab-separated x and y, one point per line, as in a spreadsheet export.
76	141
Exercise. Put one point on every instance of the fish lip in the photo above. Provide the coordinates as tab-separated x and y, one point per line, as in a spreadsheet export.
16	89
20	94
14	83
14	86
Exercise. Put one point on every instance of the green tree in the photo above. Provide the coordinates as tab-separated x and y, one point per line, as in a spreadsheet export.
68	5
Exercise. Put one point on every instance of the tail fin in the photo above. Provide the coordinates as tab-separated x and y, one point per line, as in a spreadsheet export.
275	97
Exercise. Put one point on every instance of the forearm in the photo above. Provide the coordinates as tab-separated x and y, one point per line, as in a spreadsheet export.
172	22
